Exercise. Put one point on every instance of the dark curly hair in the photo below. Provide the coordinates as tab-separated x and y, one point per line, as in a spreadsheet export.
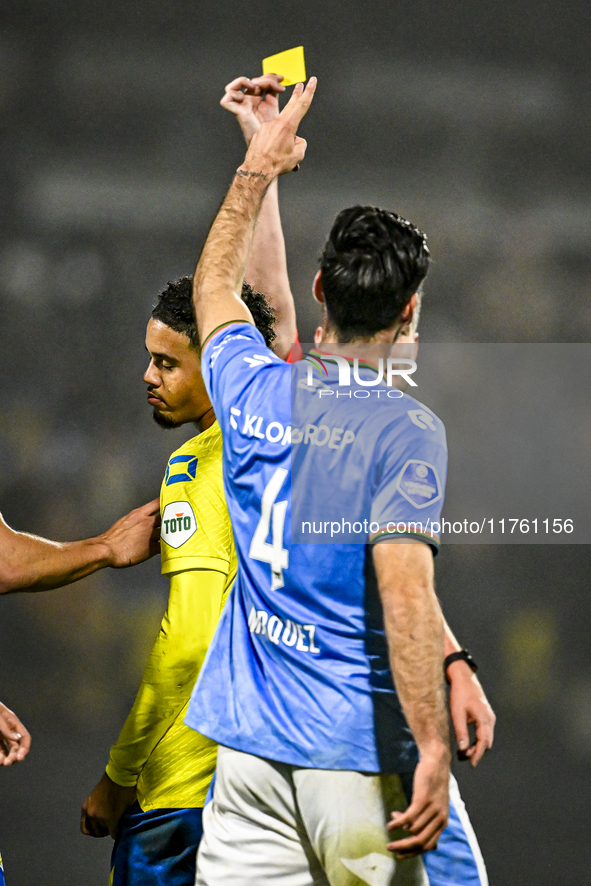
372	264
175	309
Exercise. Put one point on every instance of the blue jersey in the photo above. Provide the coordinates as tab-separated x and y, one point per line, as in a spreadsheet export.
298	669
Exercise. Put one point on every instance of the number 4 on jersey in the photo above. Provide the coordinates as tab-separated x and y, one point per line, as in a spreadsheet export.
272	512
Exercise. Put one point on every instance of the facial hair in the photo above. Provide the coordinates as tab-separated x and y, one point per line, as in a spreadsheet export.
163	422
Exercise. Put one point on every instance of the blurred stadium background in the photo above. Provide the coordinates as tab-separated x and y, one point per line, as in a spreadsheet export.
470	119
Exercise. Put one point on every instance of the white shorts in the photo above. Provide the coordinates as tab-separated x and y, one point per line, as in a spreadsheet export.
271	823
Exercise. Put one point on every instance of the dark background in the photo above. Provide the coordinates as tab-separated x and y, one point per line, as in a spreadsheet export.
472	120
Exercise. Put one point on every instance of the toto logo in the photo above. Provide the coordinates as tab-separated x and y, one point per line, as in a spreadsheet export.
178	523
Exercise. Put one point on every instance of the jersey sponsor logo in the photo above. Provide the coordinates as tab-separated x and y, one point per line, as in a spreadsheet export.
419	483
322	435
178	523
181	469
287	632
422	419
257	426
317	435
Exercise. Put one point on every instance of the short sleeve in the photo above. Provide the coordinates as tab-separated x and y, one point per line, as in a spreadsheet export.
196	532
410	486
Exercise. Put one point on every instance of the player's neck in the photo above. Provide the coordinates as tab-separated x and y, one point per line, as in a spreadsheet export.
206	420
332	336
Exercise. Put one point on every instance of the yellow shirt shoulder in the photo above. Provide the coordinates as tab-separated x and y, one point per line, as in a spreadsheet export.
196	530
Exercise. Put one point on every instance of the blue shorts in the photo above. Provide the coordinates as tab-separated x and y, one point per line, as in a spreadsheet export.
1	873
156	848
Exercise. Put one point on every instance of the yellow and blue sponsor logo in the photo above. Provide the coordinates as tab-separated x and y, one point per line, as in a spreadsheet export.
181	469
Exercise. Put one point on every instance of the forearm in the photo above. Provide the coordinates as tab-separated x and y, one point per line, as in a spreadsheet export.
220	271
415	632
414	627
266	269
450	644
149	719
37	564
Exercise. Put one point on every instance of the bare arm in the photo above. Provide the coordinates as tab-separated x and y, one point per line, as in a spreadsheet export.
468	704
266	268
266	271
274	149
414	627
28	562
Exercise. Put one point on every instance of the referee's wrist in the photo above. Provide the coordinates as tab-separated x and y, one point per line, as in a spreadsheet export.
459	655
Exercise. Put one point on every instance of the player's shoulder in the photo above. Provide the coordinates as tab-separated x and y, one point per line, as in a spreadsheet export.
231	338
242	346
189	447
418	419
206	441
204	450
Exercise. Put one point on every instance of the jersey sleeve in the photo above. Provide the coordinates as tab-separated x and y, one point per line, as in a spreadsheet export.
242	376
196	532
171	671
410	484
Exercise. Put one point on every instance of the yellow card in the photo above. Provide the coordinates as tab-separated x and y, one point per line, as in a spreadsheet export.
289	64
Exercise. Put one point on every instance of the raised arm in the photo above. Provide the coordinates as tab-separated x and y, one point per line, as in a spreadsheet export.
414	627
274	149
30	563
254	102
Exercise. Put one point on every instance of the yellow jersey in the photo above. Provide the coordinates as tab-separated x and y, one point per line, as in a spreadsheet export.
170	763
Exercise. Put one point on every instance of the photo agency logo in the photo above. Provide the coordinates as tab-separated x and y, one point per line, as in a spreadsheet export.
360	377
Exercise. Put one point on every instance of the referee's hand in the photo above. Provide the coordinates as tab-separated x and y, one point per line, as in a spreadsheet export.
253	101
468	705
276	148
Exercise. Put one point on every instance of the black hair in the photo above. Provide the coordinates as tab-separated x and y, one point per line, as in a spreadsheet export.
175	309
372	264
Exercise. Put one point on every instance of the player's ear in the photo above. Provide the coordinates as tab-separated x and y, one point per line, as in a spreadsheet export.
317	288
408	311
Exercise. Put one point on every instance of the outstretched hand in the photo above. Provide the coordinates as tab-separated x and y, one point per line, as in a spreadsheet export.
253	102
276	148
135	537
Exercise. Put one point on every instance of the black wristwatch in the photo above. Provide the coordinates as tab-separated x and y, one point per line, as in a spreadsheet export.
460	655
